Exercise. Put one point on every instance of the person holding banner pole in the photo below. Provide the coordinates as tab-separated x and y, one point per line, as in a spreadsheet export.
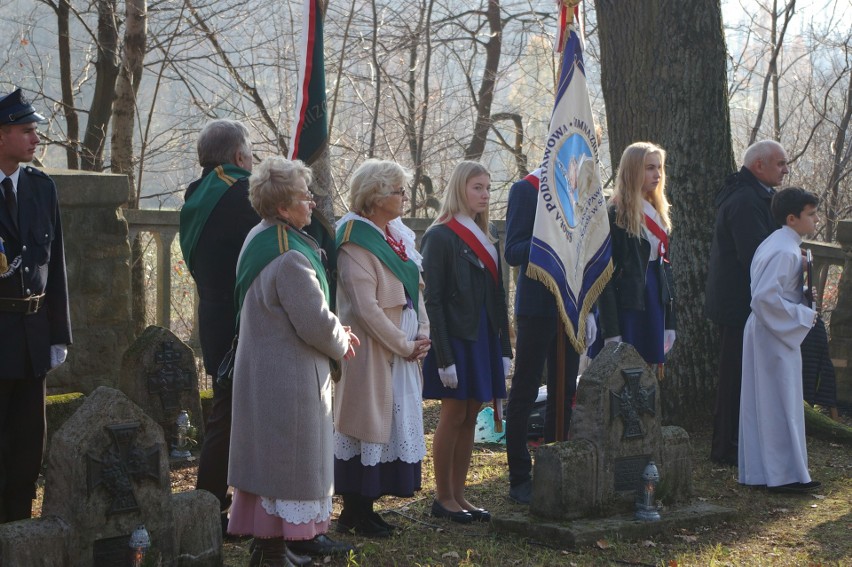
637	305
538	326
471	353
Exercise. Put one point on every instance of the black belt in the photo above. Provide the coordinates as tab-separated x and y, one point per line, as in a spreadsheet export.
29	305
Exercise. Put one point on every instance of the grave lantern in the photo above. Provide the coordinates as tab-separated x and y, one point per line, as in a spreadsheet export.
180	449
140	541
646	496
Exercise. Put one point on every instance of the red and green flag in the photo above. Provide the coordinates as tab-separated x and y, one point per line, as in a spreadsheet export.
310	126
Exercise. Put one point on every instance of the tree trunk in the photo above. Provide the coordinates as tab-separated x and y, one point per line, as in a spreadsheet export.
493	48
124	106
72	121
107	71
670	88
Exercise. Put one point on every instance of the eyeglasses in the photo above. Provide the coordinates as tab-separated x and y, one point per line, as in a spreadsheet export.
398	192
307	198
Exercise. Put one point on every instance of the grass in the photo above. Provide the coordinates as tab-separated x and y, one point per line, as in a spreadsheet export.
769	529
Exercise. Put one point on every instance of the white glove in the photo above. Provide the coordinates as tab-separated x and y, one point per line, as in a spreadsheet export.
58	353
448	376
668	340
591	329
507	363
616	339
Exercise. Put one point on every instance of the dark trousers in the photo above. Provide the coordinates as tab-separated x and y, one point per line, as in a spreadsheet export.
213	461
22	436
726	414
536	344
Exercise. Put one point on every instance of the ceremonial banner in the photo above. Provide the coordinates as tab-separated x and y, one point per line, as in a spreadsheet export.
310	126
571	251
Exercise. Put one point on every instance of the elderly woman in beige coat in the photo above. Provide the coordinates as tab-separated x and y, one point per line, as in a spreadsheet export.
281	464
378	414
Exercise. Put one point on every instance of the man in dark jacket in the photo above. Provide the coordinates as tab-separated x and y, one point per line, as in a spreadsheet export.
214	222
743	221
537	323
35	326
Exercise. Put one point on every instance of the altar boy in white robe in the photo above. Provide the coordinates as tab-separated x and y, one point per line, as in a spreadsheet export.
772	446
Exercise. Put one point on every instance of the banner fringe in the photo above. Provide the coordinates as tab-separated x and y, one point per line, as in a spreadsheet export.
541	275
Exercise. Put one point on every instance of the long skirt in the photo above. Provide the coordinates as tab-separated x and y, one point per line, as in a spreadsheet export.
375	469
264	517
644	329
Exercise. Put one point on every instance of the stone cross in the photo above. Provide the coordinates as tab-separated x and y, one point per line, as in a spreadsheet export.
631	402
159	374
121	464
168	379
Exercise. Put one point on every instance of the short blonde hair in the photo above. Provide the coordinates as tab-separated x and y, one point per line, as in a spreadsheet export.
273	184
455	194
373	180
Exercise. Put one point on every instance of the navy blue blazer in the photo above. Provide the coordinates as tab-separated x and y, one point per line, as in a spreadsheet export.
532	298
26	339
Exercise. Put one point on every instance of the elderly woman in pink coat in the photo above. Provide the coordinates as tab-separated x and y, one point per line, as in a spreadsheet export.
281	464
378	413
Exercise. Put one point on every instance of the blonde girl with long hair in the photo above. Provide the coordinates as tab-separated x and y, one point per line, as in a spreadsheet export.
637	304
466	304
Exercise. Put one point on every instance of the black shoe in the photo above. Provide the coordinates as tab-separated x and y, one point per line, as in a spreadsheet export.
320	545
377	519
462	517
480	514
795	487
298	560
364	527
522	493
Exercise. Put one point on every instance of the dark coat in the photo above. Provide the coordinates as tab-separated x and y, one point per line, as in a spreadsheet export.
215	265
626	289
743	221
26	339
457	286
532	298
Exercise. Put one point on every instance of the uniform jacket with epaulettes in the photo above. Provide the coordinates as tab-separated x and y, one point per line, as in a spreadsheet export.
36	257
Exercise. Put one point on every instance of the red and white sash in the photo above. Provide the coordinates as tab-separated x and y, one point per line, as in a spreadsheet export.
474	240
658	232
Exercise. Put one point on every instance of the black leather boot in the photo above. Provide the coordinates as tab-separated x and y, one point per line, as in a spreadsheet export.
271	552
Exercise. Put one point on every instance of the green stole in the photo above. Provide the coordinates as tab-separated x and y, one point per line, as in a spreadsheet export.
267	245
367	237
196	211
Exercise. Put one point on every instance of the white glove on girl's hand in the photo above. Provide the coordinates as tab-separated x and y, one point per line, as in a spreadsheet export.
507	363
448	377
591	329
616	339
58	353
668	340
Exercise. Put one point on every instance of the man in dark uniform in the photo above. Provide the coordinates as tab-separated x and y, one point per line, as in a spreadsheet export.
214	222
35	326
537	324
743	221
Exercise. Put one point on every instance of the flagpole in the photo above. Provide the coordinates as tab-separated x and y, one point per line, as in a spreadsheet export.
566	17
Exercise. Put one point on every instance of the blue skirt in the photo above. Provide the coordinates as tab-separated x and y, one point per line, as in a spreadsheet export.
645	329
396	478
479	366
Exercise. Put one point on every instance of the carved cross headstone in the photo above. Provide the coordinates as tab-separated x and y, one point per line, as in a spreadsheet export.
121	464
159	374
632	401
168	379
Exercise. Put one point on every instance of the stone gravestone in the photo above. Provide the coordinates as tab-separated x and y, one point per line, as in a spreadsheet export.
615	432
107	473
159	374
